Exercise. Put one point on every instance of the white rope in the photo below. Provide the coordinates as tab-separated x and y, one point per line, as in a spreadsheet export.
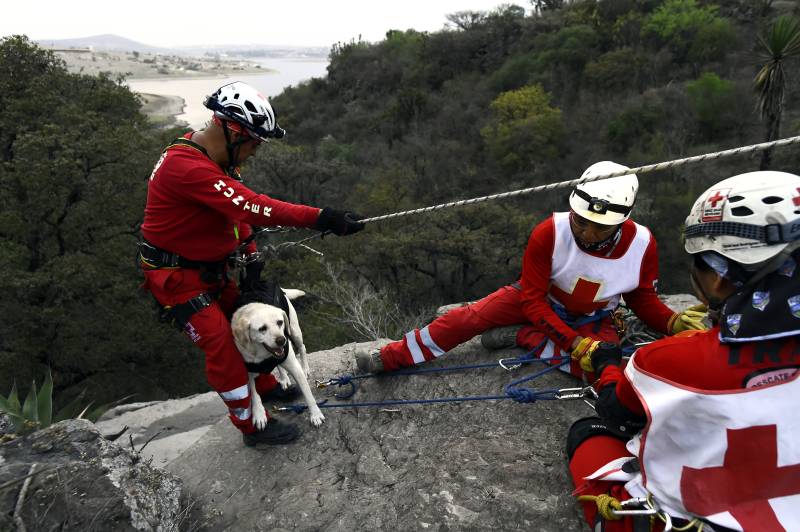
564	184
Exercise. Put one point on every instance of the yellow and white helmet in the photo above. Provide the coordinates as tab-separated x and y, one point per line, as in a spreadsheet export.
607	201
748	218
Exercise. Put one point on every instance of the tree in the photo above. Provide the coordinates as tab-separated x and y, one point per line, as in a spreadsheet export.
694	33
524	129
782	42
76	152
713	101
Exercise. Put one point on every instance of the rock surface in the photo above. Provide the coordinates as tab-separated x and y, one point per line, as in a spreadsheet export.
83	482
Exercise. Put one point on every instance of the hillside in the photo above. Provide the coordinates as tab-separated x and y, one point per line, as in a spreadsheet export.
500	101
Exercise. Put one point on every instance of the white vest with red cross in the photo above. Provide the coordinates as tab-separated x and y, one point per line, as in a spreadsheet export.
730	457
583	283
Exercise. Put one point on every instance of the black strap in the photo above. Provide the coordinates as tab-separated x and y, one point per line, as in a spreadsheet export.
266	366
183	141
601	206
770	234
179	315
155	258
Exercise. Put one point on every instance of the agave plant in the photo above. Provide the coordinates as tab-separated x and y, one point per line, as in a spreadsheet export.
36	412
781	43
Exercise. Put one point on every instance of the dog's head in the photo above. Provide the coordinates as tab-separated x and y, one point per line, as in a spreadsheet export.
260	331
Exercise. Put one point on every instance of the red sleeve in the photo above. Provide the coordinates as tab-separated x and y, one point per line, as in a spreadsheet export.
643	299
536	267
245	230
239	203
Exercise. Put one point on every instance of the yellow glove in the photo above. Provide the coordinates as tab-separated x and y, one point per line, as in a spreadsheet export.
583	352
690	319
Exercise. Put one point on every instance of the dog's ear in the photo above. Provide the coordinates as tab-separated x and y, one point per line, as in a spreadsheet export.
285	325
240	327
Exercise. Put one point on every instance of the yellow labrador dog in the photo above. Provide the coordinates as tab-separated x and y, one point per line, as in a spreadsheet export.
265	334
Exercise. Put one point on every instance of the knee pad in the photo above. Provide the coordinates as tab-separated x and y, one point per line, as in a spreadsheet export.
585	428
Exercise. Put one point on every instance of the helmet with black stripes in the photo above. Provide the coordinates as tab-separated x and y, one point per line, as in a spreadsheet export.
242	104
749	218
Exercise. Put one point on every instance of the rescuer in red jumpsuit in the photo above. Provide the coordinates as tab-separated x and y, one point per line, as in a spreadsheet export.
574	270
197	213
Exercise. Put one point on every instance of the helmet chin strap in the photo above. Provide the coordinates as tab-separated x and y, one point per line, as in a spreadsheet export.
233	151
714	303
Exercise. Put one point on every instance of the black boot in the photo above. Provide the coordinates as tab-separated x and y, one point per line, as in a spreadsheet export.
275	433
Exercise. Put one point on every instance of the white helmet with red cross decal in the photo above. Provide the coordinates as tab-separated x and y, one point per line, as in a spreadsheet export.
607	201
749	218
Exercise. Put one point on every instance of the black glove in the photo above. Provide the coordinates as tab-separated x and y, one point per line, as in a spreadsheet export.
606	354
339	222
250	275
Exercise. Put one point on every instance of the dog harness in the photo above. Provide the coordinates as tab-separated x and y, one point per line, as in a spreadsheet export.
266	366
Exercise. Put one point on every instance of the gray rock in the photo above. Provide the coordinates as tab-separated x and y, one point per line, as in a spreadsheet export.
83	482
456	466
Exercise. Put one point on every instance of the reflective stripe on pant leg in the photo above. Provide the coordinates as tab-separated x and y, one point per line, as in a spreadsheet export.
425	335
413	347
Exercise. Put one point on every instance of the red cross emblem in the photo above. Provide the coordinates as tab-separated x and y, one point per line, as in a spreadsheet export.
748	477
796	199
582	299
715	198
712	206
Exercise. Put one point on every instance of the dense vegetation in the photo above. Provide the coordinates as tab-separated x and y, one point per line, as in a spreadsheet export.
502	100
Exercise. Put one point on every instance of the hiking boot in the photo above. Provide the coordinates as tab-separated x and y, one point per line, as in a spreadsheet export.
369	362
275	433
500	337
279	394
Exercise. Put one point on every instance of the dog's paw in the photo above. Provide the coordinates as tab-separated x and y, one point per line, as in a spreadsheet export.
317	418
260	419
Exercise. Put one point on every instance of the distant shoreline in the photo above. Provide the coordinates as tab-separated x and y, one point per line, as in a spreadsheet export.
162	110
209	75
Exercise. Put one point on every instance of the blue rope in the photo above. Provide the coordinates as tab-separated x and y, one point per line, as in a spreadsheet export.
347	379
522	395
511	391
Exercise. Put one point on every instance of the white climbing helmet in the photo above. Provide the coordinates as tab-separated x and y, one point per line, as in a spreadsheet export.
607	201
749	218
244	105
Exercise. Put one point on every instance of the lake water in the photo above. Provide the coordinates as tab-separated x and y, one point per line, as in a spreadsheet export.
287	72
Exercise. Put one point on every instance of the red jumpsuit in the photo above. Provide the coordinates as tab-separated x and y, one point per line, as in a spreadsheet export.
697	360
529	302
198	212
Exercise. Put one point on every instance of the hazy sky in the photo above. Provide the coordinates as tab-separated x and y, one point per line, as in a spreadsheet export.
171	23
